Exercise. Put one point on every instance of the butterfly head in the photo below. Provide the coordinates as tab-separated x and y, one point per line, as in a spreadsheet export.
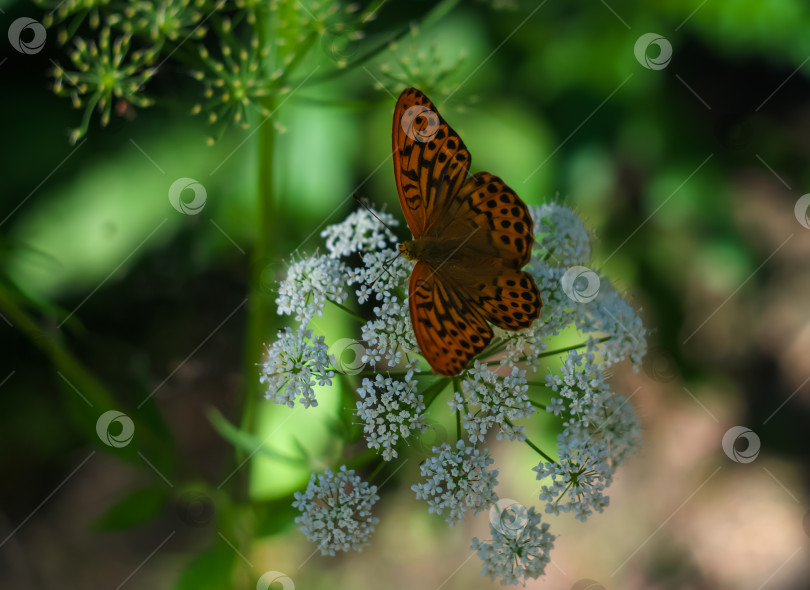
408	250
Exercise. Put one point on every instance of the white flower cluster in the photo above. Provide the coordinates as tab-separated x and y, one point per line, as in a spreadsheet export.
487	399
600	432
295	362
360	232
388	335
336	511
562	242
309	284
561	235
492	396
391	410
578	479
613	316
515	554
457	480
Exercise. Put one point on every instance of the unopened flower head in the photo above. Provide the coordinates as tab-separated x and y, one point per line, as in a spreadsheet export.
105	72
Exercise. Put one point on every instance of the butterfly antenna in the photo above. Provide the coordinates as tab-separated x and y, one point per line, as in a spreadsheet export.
367	208
388	264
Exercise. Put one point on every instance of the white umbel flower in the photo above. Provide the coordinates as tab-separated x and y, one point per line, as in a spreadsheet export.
581	391
336	511
488	399
516	554
579	478
391	410
360	232
295	363
457	480
611	315
562	239
309	284
598	429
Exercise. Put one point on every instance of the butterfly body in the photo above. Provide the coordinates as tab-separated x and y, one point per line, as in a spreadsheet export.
471	236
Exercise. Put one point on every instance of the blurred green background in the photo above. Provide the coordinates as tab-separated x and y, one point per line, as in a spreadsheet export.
686	175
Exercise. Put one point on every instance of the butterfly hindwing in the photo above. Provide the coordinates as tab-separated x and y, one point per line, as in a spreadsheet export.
448	329
430	161
508	298
486	202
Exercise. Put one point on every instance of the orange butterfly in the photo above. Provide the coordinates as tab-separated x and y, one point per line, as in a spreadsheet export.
471	236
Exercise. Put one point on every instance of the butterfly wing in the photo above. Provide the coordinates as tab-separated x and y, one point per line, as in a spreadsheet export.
506	297
448	329
496	219
431	162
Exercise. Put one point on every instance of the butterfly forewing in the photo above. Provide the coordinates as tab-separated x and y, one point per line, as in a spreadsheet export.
430	160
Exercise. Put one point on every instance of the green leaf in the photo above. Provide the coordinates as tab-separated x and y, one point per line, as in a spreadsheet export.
132	510
248	442
210	570
274	517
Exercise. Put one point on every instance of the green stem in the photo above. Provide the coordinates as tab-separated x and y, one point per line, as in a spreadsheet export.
533	446
260	306
572	347
551	352
433	390
354	314
376	470
81	384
